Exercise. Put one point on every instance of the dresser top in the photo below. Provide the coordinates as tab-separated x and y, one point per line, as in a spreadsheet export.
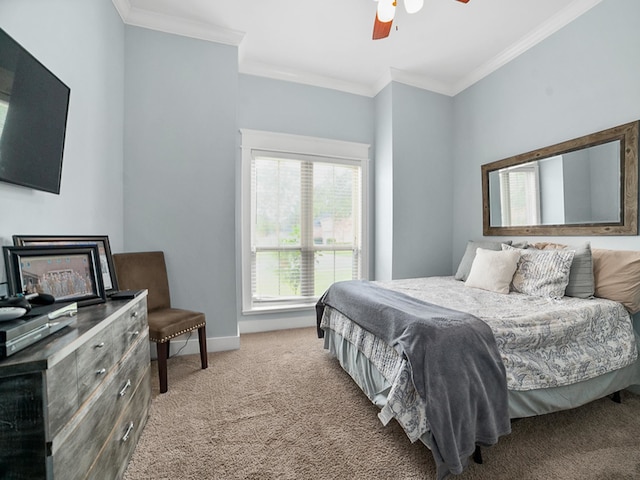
47	352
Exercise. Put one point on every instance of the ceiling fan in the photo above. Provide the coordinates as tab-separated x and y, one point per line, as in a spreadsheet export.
386	11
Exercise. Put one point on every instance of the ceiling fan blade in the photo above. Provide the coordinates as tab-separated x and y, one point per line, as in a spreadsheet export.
464	1
381	29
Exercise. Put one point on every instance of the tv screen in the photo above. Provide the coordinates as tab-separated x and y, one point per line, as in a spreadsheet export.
33	119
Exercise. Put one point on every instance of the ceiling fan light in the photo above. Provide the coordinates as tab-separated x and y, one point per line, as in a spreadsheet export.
413	6
386	10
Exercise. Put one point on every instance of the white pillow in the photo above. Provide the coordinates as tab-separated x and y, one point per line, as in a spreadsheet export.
493	270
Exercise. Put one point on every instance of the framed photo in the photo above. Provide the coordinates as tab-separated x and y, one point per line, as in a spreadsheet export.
107	269
71	273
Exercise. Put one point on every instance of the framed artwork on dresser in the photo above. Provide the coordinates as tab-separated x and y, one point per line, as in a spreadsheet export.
107	269
70	273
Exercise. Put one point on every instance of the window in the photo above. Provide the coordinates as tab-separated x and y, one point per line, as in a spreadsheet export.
520	195
303	218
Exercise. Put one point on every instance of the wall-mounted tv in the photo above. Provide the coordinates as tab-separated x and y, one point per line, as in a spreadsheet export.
33	119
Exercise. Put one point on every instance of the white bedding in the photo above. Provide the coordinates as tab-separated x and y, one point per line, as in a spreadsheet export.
543	342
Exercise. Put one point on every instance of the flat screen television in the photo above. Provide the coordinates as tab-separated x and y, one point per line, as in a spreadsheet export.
33	118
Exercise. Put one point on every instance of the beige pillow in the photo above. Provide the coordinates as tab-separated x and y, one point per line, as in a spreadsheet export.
493	270
617	276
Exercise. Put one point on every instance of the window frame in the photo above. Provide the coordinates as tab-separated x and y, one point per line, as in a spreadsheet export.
289	145
532	195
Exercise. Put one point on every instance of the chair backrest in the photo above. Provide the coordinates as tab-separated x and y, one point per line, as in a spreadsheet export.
140	270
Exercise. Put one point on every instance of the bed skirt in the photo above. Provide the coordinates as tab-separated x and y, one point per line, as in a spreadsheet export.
521	403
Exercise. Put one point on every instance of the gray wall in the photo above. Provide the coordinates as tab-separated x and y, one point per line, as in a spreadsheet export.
422	127
414	174
83	44
582	79
383	204
179	177
184	101
605	177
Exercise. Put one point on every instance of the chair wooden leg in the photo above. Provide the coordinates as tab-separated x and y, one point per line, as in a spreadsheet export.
202	337
168	347
163	350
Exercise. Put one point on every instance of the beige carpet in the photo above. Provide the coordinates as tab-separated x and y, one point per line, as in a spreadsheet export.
282	408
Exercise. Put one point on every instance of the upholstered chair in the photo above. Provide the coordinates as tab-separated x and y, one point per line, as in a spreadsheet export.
147	270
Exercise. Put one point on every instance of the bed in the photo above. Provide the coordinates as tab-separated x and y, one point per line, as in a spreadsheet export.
557	351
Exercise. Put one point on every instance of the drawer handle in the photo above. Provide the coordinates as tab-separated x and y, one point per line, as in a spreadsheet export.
102	371
125	437
134	314
125	388
100	345
136	333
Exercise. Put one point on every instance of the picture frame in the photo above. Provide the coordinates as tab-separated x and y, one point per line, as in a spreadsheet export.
70	273
107	268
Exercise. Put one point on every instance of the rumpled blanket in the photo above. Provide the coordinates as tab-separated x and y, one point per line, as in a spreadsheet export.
455	365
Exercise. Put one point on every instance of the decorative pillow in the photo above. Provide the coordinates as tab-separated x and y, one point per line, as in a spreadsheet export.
542	273
581	282
617	276
469	254
493	270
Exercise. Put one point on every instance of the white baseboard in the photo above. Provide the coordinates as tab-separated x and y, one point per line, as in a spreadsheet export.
181	346
255	326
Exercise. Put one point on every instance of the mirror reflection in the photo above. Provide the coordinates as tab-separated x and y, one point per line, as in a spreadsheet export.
577	187
584	186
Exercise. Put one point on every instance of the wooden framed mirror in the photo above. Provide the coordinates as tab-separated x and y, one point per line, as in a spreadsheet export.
584	186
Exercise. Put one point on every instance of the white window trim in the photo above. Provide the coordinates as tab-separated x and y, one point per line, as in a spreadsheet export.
252	140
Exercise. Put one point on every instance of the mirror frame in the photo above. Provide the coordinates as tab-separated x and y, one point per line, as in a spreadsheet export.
628	136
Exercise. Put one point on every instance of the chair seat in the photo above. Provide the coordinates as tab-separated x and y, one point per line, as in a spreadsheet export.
166	323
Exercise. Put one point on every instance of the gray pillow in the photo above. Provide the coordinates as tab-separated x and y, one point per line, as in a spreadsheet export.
470	253
581	279
542	273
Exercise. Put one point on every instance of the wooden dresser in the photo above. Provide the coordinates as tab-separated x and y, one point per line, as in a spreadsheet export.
73	406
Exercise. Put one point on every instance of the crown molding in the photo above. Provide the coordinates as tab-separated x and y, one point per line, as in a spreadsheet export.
175	25
297	76
123	7
555	23
203	31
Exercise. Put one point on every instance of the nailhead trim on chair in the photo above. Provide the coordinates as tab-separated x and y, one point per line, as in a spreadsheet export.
178	333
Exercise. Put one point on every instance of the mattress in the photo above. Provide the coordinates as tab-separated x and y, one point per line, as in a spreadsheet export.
594	325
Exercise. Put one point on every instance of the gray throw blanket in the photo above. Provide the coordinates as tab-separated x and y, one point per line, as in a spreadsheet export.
455	365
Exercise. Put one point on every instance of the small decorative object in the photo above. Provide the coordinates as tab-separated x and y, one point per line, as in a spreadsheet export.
70	273
102	241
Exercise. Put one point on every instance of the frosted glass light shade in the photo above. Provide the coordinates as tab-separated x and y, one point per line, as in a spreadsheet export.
413	6
386	10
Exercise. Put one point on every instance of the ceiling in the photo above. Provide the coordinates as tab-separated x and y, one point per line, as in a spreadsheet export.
445	47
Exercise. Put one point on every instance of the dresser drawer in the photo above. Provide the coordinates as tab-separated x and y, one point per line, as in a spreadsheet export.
62	393
96	421
129	326
95	359
22	449
114	458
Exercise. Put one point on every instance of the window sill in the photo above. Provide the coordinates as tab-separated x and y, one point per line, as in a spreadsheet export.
279	309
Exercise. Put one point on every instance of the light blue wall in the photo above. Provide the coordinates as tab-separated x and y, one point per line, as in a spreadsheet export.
83	44
184	101
414	168
179	177
383	204
422	179
582	79
279	106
